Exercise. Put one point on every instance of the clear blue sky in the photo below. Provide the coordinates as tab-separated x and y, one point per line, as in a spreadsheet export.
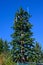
7	12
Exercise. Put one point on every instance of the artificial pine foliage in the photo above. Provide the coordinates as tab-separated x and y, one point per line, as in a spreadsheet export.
22	41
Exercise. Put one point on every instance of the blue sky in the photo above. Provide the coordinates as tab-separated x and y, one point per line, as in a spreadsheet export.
7	12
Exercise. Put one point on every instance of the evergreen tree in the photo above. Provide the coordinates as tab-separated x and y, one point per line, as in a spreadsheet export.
5	46
38	52
1	46
41	57
22	41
